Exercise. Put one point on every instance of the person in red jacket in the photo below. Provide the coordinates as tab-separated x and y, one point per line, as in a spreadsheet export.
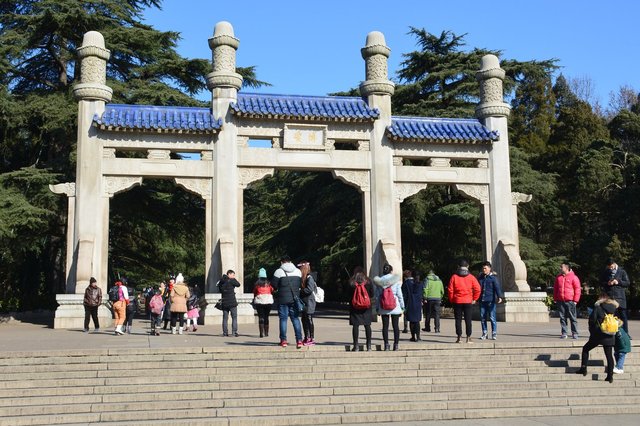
463	290
566	294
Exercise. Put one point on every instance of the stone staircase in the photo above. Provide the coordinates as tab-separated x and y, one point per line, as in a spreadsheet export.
250	385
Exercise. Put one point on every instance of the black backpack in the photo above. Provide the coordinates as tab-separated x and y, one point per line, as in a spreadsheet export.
113	294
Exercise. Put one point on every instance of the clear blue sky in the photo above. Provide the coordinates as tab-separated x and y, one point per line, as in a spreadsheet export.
313	48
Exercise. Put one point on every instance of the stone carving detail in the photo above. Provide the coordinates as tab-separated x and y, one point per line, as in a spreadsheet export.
93	70
519	197
440	162
115	184
224	58
251	174
108	153
358	178
206	156
475	192
491	90
199	186
377	68
67	188
159	154
364	146
397	161
405	190
513	271
482	163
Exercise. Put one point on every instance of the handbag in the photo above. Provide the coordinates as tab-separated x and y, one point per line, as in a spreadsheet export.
298	303
218	305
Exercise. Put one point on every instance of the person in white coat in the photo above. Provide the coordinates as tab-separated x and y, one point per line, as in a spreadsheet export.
390	304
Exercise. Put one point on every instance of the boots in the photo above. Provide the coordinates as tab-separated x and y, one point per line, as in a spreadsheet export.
180	330
173	330
261	328
458	340
266	330
582	370
395	346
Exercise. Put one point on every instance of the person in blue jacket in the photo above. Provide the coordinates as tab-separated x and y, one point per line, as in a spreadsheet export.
490	294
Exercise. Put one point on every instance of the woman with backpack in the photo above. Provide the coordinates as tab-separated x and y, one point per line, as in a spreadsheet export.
390	304
307	294
263	301
360	312
602	307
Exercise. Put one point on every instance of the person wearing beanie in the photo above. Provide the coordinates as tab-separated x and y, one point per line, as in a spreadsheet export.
178	296
92	300
263	301
463	291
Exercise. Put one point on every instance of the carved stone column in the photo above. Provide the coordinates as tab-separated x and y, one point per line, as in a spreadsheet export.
68	189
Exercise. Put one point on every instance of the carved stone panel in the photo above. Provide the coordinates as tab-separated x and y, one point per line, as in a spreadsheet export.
200	186
405	190
305	136
519	197
358	178
252	174
112	185
67	188
475	192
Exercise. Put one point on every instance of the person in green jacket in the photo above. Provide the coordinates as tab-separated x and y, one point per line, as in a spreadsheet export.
432	295
621	349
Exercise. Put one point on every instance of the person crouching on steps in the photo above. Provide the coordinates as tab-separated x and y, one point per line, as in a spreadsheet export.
263	301
179	296
603	306
307	294
227	286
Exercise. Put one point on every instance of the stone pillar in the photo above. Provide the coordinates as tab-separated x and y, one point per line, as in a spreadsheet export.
226	214
89	233
492	111
68	189
377	90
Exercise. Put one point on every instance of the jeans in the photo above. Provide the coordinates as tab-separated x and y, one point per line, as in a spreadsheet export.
289	311
568	309
488	309
458	310
156	319
433	311
91	311
234	320
620	356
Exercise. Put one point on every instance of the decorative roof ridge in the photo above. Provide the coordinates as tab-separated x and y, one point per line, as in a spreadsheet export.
281	95
446	119
145	106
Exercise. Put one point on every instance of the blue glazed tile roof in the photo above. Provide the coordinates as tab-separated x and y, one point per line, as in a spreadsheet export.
157	118
329	108
423	129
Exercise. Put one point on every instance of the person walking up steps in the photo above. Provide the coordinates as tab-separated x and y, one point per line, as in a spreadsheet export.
390	304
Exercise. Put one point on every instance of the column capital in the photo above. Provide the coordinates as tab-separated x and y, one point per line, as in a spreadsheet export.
223	45
375	55
490	76
93	57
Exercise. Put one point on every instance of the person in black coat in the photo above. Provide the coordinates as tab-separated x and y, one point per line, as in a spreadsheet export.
603	306
358	317
614	281
412	291
227	286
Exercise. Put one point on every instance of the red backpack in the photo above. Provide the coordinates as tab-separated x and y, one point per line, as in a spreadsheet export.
387	300
360	299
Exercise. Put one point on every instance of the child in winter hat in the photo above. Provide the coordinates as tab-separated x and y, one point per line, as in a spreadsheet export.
262	273
179	279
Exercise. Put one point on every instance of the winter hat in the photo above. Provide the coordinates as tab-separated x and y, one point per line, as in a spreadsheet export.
262	273
92	280
179	279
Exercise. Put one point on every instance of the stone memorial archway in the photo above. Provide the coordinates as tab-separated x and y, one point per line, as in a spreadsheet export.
304	133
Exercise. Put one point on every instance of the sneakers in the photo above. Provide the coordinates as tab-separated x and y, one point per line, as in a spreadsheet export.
617	371
308	342
469	339
494	337
284	344
298	344
574	336
563	336
484	336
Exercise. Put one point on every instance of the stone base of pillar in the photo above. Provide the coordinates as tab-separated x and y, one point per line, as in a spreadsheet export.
523	307
70	313
246	313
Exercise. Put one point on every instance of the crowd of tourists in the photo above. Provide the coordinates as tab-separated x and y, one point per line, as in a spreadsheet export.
293	291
